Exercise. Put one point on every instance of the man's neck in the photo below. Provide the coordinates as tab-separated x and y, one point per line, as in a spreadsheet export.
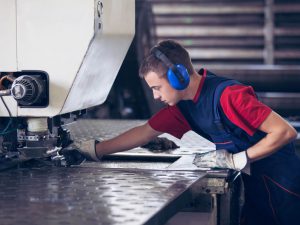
192	89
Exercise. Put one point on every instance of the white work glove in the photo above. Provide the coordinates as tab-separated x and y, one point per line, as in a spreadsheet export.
221	159
88	149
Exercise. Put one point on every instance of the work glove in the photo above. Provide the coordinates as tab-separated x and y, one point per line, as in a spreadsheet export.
160	144
221	159
88	149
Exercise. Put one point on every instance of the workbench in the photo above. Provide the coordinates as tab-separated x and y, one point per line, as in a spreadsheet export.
133	187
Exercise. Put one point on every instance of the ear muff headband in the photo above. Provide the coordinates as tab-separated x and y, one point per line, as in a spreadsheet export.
177	74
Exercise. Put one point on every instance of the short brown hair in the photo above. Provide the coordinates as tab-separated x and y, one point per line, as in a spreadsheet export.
175	52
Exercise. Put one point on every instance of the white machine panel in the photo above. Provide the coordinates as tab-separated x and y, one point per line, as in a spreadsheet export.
53	36
105	57
58	37
8	51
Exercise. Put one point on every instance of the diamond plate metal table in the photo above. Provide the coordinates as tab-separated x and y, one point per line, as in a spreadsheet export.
219	184
84	195
141	191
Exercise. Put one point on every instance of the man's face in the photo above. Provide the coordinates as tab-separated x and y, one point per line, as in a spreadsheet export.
161	89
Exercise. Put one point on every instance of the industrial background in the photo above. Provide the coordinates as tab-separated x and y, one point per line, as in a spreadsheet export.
256	42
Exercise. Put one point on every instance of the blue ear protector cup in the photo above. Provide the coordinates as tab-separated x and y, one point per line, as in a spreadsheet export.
177	75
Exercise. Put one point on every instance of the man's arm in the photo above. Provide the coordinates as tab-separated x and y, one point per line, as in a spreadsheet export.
279	133
132	138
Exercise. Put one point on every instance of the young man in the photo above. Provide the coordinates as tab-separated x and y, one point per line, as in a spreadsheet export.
227	113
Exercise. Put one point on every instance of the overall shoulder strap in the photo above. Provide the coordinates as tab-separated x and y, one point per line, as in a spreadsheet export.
216	101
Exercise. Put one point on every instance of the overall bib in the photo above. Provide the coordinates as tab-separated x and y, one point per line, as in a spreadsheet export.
272	192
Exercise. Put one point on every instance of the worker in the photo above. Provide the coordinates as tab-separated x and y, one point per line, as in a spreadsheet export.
247	133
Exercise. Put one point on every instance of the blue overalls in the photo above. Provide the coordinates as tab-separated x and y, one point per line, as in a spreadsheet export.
272	192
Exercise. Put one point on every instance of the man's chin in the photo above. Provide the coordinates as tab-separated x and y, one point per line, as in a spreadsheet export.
168	103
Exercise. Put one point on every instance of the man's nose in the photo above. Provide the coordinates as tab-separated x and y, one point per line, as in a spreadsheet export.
156	95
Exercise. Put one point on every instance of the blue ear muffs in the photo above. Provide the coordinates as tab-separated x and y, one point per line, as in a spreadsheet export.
177	75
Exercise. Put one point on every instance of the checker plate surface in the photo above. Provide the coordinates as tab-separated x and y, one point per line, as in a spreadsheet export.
83	195
105	129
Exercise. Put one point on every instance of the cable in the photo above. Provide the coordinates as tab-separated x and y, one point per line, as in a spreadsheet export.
9	113
10	118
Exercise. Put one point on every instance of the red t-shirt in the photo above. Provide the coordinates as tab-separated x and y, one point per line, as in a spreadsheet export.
239	103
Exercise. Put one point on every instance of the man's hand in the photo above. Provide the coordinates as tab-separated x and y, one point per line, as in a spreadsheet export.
221	159
160	144
88	149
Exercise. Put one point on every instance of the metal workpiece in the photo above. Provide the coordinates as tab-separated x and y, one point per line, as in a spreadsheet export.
90	195
180	159
174	159
190	143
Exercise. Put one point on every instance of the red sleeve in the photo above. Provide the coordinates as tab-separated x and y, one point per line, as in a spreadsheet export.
242	108
170	120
